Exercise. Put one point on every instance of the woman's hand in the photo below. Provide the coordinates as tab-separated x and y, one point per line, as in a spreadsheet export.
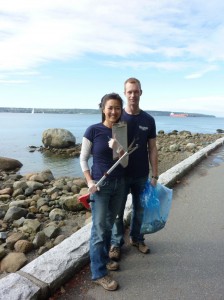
92	187
115	145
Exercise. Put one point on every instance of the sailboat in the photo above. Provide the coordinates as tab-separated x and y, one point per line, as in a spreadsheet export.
32	112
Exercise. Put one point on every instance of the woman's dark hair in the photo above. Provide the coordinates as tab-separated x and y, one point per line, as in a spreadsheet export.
111	96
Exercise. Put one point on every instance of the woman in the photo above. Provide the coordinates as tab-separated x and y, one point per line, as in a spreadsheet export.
98	142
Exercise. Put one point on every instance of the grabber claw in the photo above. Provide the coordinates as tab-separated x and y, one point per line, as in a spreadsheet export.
85	200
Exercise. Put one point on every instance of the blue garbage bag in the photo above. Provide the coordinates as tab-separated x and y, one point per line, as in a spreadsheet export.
156	202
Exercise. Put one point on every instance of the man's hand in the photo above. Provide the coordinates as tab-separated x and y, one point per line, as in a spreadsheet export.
153	182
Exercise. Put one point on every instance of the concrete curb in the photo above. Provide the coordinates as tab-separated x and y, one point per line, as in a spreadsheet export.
44	275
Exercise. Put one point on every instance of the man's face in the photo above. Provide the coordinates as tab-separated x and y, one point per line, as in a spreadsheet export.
132	93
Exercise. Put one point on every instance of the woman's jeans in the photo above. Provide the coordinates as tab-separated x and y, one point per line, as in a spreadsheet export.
105	208
135	186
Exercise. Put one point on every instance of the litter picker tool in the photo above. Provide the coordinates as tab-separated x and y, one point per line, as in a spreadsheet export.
84	199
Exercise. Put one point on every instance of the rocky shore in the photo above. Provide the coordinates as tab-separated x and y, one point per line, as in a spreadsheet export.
38	211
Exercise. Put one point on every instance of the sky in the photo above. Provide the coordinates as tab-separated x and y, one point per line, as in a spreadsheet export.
69	53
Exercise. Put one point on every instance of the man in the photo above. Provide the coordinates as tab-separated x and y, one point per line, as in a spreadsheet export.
141	129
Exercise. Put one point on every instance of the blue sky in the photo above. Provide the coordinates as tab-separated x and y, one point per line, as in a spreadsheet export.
68	54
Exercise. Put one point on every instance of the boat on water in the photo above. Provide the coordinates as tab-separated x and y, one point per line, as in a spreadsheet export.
32	112
182	115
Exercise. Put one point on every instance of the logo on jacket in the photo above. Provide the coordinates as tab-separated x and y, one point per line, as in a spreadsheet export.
143	128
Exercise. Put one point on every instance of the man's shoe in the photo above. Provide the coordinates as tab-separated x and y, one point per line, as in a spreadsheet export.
142	247
107	283
112	266
115	253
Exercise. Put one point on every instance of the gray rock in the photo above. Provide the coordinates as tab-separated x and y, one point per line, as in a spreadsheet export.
28	191
2	252
58	138
59	239
39	240
2	213
20	203
174	147
20	185
190	146
13	238
13	262
31	226
35	185
4	207
4	197
57	214
71	203
6	191
42	250
51	231
52	190
18	192
19	222
15	213
3	235
7	164
47	175
41	202
23	246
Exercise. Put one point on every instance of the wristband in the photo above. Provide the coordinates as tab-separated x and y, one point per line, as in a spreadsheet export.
155	177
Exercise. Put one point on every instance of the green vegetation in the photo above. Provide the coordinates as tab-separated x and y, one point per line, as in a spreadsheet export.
85	111
49	110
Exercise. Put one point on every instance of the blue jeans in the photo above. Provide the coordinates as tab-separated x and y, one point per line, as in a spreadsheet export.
134	186
105	208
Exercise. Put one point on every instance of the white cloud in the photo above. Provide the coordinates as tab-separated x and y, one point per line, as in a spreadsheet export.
135	64
202	72
12	81
35	32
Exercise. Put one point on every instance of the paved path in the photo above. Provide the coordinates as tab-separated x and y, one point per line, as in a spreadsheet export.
187	256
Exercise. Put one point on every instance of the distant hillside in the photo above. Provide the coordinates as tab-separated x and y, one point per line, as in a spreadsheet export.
88	111
48	110
167	113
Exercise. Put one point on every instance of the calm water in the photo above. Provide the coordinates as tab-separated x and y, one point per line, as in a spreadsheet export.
19	131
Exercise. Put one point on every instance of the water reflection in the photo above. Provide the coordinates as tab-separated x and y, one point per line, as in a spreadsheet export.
58	164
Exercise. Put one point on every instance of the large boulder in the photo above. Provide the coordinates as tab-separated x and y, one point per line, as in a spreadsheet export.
9	164
58	138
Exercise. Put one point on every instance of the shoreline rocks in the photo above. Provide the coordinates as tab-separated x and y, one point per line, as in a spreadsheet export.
38	211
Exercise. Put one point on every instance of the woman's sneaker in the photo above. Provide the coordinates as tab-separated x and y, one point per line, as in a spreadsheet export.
112	266
115	253
107	283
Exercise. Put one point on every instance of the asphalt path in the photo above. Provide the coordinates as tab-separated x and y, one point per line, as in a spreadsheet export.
187	256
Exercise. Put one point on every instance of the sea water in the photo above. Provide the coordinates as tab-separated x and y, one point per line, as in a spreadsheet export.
18	131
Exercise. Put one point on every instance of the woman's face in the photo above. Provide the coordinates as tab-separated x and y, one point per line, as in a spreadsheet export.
112	111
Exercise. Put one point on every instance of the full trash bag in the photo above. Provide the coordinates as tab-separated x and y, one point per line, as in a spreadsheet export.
156	202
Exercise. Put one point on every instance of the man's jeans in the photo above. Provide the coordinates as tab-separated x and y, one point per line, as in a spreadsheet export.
134	186
105	208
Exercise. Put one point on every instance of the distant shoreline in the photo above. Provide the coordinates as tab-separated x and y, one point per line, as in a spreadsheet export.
89	111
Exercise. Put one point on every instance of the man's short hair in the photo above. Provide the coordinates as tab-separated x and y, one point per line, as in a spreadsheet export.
133	80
